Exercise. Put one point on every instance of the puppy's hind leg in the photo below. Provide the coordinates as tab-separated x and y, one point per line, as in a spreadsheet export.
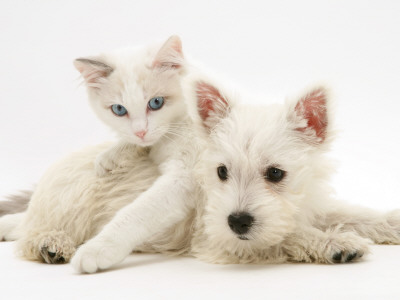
382	228
53	247
9	225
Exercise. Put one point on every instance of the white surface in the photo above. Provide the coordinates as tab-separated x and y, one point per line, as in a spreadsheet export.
273	49
148	276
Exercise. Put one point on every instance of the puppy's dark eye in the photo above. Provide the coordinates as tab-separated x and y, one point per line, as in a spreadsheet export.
274	174
222	172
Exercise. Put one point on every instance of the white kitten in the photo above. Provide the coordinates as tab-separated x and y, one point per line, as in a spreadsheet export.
137	93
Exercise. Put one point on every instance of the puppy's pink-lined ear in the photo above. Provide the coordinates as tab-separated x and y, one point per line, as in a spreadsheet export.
312	108
211	104
93	71
170	54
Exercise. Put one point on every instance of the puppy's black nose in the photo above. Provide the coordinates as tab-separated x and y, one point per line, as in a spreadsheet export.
240	223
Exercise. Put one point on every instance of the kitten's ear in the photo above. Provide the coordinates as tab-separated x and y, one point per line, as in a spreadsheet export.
212	106
170	54
92	71
310	114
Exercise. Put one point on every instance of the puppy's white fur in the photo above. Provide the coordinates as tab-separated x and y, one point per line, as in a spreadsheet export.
296	219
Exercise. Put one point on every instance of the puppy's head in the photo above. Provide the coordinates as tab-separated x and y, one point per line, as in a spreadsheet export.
260	166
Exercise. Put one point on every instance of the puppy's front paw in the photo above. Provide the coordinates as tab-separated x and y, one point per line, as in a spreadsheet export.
56	247
96	255
345	247
345	256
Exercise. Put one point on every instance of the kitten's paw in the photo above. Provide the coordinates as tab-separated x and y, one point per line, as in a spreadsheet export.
97	255
56	247
345	247
103	165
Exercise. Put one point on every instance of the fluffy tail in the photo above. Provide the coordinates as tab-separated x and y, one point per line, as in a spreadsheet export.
15	203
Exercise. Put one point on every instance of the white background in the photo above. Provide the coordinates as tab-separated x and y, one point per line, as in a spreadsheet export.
270	48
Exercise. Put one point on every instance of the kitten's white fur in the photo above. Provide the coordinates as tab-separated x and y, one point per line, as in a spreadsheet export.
130	78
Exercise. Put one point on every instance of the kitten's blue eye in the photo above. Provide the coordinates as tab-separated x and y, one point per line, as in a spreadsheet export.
119	110
156	103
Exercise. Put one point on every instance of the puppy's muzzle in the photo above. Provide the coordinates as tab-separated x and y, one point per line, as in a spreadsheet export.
240	223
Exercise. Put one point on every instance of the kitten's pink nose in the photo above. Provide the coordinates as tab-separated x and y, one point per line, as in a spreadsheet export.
141	134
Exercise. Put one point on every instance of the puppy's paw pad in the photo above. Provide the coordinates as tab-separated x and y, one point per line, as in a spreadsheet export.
52	256
345	257
337	257
55	247
353	256
344	247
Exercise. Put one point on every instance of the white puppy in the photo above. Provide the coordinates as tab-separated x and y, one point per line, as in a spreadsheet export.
266	182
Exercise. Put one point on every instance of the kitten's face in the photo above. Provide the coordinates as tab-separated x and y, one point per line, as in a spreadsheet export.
141	106
137	93
256	171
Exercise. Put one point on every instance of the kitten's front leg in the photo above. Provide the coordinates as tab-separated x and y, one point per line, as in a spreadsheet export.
309	244
162	205
112	157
